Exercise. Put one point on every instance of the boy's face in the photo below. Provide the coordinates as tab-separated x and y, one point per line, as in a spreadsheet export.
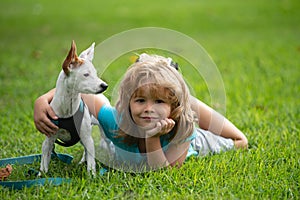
146	109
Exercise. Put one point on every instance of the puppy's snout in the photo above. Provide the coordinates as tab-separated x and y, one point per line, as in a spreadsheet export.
103	86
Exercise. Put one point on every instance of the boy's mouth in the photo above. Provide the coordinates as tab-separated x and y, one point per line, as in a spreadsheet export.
148	117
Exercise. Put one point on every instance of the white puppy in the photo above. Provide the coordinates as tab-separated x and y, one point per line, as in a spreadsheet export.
78	76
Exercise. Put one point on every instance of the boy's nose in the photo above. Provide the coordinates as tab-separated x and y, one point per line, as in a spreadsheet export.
149	107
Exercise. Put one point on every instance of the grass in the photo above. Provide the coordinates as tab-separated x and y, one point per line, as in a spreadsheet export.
255	45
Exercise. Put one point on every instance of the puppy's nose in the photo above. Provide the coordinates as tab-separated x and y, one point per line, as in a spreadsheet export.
103	86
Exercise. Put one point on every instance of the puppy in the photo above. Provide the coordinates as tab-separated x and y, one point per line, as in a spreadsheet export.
78	76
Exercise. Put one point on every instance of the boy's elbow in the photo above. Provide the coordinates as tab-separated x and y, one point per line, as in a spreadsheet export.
242	143
245	143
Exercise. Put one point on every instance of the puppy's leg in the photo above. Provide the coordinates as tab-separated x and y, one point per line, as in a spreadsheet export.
83	159
88	143
46	153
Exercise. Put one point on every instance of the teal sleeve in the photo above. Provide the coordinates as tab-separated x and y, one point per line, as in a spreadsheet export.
107	118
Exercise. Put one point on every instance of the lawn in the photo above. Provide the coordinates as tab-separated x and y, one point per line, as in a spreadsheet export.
255	46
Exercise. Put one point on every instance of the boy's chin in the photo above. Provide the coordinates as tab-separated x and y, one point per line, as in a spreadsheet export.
148	123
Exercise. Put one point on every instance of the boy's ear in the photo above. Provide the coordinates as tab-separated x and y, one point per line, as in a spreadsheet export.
88	54
71	58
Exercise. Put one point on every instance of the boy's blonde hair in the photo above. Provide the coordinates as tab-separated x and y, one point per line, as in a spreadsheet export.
155	71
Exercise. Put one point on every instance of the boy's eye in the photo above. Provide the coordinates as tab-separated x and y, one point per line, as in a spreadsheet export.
159	101
86	74
140	100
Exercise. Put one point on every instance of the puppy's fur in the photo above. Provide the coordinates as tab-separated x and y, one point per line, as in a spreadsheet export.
78	76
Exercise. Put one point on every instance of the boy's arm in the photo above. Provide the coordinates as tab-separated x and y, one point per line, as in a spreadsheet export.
174	156
94	102
42	112
209	119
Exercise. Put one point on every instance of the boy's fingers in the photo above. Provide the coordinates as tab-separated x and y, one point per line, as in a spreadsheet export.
46	126
43	129
51	113
167	125
155	130
160	128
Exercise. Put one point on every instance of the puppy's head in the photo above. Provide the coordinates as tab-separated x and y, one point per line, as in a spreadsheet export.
80	72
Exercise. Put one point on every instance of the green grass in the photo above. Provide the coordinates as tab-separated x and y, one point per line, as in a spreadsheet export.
255	45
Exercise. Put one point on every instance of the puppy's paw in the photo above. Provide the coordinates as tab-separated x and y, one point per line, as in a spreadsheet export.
92	173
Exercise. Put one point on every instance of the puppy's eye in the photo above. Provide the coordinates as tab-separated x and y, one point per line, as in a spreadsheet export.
86	74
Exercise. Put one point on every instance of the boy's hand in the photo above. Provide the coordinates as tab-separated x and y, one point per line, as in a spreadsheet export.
159	128
42	122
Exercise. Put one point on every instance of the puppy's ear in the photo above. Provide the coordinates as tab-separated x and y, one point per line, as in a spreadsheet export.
71	57
88	54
